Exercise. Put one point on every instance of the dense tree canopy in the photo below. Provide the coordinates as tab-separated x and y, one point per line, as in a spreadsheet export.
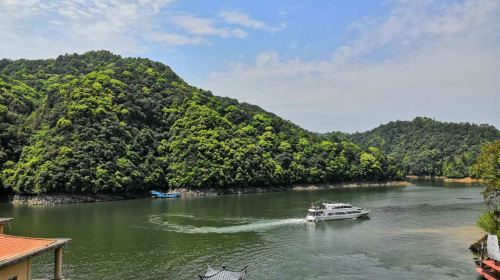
428	147
98	122
487	167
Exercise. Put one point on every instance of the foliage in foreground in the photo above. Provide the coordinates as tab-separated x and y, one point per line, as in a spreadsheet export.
487	167
424	146
98	122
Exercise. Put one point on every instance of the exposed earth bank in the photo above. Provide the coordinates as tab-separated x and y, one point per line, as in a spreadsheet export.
66	198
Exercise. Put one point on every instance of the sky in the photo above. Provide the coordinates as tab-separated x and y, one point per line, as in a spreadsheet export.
336	65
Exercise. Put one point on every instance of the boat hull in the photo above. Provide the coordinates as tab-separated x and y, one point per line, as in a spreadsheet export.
165	195
363	214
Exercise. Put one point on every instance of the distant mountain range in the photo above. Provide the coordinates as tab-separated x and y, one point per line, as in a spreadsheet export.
425	146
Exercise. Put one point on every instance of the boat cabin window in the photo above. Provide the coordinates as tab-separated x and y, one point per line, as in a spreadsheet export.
315	213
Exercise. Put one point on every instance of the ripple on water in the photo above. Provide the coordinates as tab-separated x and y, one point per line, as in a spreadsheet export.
162	222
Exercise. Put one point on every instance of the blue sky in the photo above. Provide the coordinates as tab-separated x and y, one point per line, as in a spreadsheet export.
310	30
326	65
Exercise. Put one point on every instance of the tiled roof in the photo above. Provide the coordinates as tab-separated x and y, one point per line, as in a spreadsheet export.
17	248
224	274
5	220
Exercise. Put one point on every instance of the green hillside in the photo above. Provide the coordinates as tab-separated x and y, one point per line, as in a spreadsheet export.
424	146
98	122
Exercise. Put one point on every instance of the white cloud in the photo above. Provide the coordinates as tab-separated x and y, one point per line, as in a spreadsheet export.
266	58
244	20
440	61
35	29
38	29
179	40
206	27
156	4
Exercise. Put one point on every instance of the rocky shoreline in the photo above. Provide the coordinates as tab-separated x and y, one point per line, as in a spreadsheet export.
298	187
350	185
66	198
476	246
213	192
465	180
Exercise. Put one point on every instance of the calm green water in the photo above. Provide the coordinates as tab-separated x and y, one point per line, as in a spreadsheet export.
415	232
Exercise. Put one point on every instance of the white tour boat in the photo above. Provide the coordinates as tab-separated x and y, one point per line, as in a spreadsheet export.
326	210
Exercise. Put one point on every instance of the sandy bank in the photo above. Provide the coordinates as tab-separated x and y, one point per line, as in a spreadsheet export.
298	187
467	180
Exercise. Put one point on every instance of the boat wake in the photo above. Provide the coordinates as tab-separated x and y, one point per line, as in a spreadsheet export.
254	226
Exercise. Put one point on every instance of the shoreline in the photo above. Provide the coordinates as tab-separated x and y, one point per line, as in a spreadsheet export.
296	187
309	187
465	180
66	198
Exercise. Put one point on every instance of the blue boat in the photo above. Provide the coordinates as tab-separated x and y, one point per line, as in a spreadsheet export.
164	195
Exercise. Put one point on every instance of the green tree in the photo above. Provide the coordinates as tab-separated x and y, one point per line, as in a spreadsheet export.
487	167
98	122
425	146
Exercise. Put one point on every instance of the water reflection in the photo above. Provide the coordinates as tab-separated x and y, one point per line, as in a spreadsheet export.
411	234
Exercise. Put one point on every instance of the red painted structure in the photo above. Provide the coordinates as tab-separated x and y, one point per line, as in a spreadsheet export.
489	269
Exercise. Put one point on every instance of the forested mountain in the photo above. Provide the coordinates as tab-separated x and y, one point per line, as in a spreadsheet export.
98	122
424	146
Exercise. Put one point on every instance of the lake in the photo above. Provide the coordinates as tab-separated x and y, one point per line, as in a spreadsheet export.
420	231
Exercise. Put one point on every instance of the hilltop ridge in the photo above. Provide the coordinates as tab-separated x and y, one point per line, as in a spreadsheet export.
98	122
424	146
